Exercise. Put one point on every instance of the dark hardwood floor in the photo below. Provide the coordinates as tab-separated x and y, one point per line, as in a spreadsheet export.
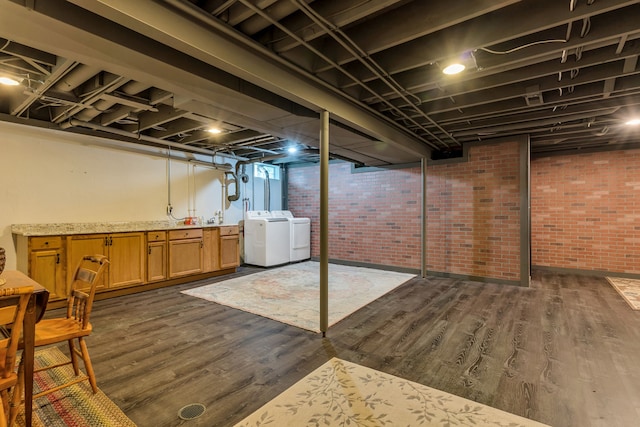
564	352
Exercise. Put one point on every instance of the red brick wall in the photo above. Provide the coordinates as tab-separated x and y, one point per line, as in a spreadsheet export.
473	218
585	211
374	217
474	214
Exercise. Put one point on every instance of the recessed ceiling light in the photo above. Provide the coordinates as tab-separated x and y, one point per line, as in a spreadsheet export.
9	81
214	130
292	150
453	69
633	122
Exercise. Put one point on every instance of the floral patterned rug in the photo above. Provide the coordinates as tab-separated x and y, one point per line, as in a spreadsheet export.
341	393
291	294
629	289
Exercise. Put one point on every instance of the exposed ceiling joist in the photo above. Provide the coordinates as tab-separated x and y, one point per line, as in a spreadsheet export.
261	71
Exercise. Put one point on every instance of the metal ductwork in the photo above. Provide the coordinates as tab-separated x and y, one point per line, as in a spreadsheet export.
236	196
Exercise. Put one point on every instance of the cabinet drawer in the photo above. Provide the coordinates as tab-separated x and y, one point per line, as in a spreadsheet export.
156	236
49	242
228	230
185	234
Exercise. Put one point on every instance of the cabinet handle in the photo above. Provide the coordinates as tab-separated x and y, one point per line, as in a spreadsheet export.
110	241
57	258
106	241
149	250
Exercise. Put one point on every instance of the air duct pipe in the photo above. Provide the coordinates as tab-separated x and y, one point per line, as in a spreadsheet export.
267	189
234	197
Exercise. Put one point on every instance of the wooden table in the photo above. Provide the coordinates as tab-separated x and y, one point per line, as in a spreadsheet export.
35	311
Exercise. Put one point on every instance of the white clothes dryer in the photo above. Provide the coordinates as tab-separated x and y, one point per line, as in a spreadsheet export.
266	239
299	235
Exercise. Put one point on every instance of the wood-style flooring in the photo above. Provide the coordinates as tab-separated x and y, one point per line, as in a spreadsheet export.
565	352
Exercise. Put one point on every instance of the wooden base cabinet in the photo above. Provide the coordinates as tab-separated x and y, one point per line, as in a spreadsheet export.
135	258
86	244
156	256
229	246
127	262
185	252
126	253
42	259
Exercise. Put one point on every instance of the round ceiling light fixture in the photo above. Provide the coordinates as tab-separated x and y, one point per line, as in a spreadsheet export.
214	130
8	81
453	69
633	122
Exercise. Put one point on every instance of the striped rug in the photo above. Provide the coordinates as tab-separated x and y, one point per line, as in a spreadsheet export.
76	405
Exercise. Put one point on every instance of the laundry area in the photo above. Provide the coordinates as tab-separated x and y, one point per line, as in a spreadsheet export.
275	238
270	237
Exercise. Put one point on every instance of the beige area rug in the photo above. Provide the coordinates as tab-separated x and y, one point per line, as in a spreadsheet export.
629	289
341	393
291	294
75	405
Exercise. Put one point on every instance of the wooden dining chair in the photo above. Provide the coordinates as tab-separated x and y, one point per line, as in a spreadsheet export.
75	326
13	305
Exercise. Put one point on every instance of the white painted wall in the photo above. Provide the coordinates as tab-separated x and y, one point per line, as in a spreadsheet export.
48	176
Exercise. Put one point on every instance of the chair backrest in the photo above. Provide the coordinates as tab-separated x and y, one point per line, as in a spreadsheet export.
83	287
13	305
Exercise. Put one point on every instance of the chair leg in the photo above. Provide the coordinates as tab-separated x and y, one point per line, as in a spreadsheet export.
5	407
87	364
16	398
74	357
3	419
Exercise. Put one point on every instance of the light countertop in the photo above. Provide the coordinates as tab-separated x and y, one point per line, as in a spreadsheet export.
56	229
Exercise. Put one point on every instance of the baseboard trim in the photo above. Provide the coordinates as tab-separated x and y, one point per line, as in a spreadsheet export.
371	265
476	278
416	271
134	289
598	273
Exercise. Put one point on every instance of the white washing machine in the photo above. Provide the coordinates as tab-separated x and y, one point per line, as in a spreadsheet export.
300	235
266	239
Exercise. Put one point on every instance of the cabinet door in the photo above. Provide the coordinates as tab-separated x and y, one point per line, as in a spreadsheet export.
81	245
207	264
211	250
185	257
229	251
126	259
156	261
46	269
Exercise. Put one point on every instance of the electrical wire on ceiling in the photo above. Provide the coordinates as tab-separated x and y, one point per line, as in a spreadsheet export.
524	46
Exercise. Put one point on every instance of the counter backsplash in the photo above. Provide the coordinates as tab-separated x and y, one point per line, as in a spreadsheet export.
99	227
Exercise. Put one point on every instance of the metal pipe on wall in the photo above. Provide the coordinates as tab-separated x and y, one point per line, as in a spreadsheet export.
140	137
324	222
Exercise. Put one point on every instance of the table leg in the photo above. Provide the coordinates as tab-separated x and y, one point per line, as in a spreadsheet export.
28	337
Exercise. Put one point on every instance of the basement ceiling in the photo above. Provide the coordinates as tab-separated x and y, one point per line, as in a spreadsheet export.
161	73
